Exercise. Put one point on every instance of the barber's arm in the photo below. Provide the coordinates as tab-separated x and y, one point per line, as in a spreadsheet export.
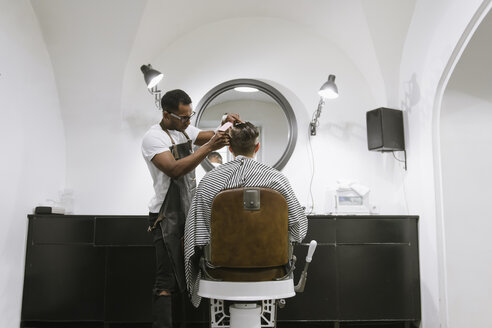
205	136
166	163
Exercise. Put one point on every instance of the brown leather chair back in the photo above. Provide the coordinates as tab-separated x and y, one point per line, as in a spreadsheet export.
249	237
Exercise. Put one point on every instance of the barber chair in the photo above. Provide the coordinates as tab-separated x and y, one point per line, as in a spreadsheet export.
249	262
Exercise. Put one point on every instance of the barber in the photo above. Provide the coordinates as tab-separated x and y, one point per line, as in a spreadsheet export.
167	148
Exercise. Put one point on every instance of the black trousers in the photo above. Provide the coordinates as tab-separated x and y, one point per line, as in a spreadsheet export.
164	275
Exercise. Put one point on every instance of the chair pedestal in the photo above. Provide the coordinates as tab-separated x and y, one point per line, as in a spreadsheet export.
245	315
242	315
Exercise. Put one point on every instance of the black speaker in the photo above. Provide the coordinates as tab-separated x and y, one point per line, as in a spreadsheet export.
385	129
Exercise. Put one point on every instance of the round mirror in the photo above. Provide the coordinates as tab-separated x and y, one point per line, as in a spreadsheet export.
258	103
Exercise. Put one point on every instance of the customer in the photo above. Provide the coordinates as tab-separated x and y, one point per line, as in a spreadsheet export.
243	171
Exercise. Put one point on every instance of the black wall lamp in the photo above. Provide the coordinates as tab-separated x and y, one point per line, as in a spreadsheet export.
152	77
328	90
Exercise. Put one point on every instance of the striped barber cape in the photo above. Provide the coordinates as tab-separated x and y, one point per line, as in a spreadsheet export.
242	172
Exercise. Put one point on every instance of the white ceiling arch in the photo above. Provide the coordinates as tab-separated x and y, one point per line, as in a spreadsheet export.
371	33
87	38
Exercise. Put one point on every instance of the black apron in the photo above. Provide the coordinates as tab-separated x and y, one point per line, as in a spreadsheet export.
174	209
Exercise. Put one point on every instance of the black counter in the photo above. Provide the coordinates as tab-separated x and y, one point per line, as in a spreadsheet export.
99	270
366	268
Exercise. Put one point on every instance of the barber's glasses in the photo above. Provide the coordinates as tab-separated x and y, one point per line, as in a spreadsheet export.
183	119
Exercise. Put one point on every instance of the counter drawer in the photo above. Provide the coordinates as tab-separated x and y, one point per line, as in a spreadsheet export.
122	231
377	230
61	229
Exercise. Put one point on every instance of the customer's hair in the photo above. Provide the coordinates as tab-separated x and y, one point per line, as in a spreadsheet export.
244	138
171	100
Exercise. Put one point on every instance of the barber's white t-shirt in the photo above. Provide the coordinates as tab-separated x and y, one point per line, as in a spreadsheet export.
156	141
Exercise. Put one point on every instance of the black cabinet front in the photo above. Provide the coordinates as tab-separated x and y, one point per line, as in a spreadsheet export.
375	283
318	302
129	279
365	269
101	268
63	282
93	269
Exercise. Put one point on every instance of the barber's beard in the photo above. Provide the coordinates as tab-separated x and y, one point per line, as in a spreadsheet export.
179	127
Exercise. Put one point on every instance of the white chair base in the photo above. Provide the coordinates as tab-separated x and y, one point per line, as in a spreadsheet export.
246	291
245	315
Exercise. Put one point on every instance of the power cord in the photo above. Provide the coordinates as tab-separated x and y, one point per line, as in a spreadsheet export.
312	176
403	180
399	160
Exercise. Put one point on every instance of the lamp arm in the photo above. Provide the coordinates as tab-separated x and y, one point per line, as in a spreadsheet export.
314	122
157	96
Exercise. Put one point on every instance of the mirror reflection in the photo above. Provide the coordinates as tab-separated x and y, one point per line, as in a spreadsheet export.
256	107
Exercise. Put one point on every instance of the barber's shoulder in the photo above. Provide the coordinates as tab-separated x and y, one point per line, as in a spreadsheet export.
193	128
156	136
149	137
192	131
153	131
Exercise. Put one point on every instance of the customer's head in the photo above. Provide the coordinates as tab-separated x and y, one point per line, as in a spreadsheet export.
244	139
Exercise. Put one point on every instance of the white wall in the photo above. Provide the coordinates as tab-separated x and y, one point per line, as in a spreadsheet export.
435	30
296	62
88	43
33	143
465	137
105	123
466	161
107	117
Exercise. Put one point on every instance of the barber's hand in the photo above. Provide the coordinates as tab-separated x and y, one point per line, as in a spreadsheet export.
219	140
233	118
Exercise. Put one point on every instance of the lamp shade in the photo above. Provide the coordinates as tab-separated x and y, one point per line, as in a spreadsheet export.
329	89
151	76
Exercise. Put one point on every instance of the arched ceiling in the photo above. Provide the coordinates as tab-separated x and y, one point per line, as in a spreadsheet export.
370	32
92	42
473	72
89	42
